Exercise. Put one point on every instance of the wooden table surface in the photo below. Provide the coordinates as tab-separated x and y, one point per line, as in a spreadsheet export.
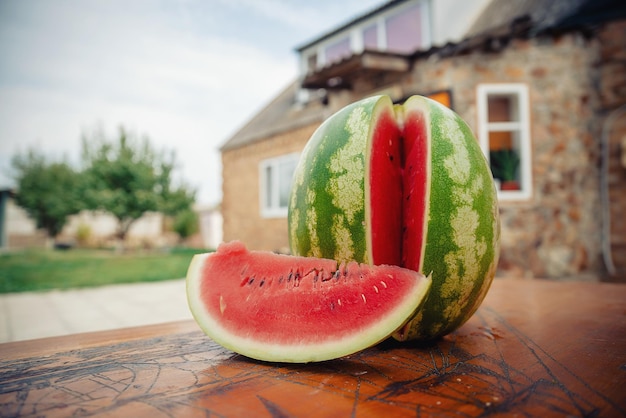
534	348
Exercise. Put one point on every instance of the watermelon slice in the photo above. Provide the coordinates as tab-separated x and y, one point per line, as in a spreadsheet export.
284	308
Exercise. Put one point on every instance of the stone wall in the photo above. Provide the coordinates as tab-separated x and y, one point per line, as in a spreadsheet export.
240	201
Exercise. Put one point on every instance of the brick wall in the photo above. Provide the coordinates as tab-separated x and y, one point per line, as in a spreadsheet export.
240	201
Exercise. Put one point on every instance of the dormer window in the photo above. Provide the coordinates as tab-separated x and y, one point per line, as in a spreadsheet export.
370	37
402	28
338	50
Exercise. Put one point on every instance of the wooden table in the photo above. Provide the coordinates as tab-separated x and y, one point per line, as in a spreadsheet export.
534	348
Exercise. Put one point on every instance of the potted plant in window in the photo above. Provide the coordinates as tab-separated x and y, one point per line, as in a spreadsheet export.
504	164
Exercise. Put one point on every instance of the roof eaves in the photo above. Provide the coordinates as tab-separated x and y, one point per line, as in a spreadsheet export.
576	15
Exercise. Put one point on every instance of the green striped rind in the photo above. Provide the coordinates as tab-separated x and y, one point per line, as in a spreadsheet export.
327	203
463	233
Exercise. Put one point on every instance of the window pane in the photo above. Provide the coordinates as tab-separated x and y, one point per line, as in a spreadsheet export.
504	156
338	50
503	108
268	186
285	170
403	30
500	140
370	37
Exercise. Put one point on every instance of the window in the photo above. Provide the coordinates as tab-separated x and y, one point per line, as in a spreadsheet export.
370	37
338	50
504	134
404	31
401	29
275	184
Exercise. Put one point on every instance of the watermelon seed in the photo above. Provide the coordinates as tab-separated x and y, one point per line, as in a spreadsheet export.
339	302
262	283
316	274
384	284
336	274
250	280
375	289
363	297
296	279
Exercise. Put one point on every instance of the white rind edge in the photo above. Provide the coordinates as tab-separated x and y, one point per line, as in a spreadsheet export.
353	343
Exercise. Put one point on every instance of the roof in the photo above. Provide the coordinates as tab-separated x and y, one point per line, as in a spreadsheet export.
501	20
281	114
546	15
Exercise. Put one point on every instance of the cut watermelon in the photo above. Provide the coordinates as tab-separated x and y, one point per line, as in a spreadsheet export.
405	185
284	308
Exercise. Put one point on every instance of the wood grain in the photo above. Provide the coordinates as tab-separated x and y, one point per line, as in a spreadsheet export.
535	348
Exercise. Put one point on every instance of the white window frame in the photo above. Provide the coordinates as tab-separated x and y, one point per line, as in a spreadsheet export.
521	126
273	209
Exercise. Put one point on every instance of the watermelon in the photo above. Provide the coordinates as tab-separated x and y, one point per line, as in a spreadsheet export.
404	185
283	308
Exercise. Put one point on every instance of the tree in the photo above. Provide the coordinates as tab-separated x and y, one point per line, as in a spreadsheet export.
48	191
186	223
128	178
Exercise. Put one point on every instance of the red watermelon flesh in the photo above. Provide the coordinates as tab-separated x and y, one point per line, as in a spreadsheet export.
399	166
298	309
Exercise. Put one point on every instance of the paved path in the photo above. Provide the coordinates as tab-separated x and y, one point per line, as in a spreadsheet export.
24	316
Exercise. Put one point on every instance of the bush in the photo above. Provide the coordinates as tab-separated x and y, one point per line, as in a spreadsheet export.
186	223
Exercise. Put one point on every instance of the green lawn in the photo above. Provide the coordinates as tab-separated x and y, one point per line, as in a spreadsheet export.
50	269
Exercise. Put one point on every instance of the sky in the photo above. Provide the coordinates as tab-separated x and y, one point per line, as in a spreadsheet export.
185	73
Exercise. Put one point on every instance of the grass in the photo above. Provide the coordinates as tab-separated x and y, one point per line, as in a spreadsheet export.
34	270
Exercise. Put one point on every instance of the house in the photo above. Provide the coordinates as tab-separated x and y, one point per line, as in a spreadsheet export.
210	223
17	229
542	83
